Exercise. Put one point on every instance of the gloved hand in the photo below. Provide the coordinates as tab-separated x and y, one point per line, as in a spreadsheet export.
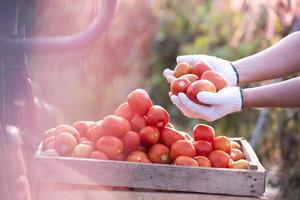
224	102
224	67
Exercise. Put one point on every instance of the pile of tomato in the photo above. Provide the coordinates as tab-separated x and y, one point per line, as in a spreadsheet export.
141	132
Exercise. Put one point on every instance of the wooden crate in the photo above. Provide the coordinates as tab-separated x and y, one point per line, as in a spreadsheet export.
89	175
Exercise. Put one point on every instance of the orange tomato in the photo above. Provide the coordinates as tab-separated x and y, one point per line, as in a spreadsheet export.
110	145
82	151
190	77
138	156
157	116
222	143
203	132
198	86
182	148
139	101
179	85
124	111
203	147
65	143
115	126
169	136
199	68
240	164
149	135
138	122
185	161
159	153
181	69
48	133
219	159
236	154
131	141
99	155
203	161
235	145
216	78
69	129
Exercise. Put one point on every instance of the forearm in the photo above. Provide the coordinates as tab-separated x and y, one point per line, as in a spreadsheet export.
279	60
282	94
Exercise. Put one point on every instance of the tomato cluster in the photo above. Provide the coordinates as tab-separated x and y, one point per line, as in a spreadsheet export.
191	79
141	132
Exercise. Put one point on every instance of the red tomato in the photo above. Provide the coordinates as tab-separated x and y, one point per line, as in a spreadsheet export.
216	78
124	111
157	116
222	143
199	68
110	145
65	143
203	161
138	122
149	135
114	125
159	153
82	151
48	133
181	69
82	127
219	159
69	129
139	101
182	148
198	86
185	161
203	132
95	132
203	147
190	77
138	156
169	136
131	141
99	155
179	85
48	143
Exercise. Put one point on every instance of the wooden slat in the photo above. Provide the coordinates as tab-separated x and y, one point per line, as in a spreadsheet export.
46	192
251	156
150	176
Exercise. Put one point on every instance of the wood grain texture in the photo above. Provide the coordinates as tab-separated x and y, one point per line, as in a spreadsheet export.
46	192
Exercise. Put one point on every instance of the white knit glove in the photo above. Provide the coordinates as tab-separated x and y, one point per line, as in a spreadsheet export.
224	67
224	102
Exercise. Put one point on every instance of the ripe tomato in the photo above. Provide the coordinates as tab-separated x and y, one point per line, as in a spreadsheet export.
235	145
198	86
182	148
82	127
179	85
99	155
82	151
149	135
157	116
199	68
95	132
190	77
203	147
159	153
110	145
139	101
169	136
114	125
222	143
124	111
138	122
138	156
49	143
219	159
236	154
121	157
131	141
143	148
203	132
240	164
216	78
185	161
69	129
48	133
181	69
65	143
203	161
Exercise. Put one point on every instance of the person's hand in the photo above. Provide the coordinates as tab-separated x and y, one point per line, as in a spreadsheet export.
224	67
224	102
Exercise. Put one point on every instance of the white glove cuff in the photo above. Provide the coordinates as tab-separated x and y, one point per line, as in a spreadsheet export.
237	99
